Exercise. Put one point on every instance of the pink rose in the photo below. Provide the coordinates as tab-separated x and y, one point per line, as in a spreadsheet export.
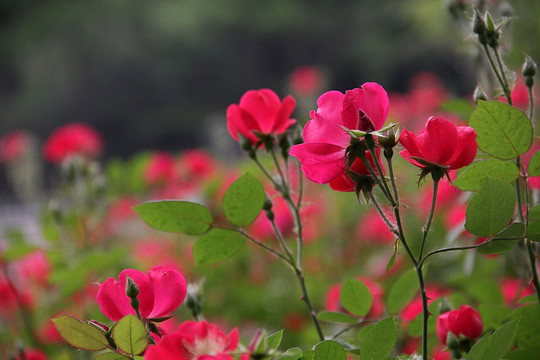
323	153
72	139
464	321
13	145
160	169
441	144
195	341
306	80
161	291
260	111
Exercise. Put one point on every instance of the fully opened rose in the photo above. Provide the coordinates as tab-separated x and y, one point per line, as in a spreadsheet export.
161	291
323	153
260	112
441	144
195	341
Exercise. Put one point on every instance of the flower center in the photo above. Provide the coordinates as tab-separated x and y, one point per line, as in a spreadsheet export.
213	344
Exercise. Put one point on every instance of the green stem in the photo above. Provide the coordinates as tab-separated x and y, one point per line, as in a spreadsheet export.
501	81
426	228
382	214
531	103
362	156
425	312
532	262
505	85
381	174
279	236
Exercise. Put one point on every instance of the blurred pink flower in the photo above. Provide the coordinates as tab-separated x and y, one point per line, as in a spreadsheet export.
195	341
161	291
306	80
13	145
513	289
31	354
414	307
160	169
260	111
72	139
373	229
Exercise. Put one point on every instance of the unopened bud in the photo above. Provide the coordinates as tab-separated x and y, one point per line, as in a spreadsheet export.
267	205
270	215
132	290
529	67
479	94
444	306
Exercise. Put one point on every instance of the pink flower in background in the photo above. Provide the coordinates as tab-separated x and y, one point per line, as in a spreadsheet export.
195	341
13	145
31	354
260	111
464	321
441	144
160	169
322	154
414	307
513	289
72	139
161	291
262	227
306	80
373	229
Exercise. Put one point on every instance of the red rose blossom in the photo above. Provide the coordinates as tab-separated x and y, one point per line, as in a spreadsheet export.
13	145
72	139
260	111
441	144
195	341
464	321
161	291
323	153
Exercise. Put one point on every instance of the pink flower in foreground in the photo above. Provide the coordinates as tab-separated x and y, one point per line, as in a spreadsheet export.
72	139
441	144
161	291
464	321
13	145
260	111
324	150
195	341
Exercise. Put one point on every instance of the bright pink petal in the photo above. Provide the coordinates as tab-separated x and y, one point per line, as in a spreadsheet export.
170	290
372	99
442	327
146	292
241	122
330	105
438	142
262	105
232	340
283	120
408	140
342	183
320	162
113	301
465	149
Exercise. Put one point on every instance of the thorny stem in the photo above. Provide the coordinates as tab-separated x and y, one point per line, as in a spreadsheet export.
532	262
425	230
381	174
501	81
362	156
279	236
284	189
425	312
382	214
505	85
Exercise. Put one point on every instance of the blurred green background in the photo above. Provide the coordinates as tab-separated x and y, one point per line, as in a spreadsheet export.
160	74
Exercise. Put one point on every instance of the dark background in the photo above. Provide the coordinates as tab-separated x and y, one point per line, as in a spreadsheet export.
160	74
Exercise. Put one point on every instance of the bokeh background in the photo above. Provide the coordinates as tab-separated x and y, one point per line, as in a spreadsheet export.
159	75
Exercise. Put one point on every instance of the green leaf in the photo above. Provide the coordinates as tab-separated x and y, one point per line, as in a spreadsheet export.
217	245
491	208
79	334
355	297
494	346
130	335
534	165
329	350
523	354
291	354
176	216
380	340
528	334
493	315
243	200
533	230
336	317
110	356
402	292
501	246
469	178
485	291
502	130
274	340
307	355
17	251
